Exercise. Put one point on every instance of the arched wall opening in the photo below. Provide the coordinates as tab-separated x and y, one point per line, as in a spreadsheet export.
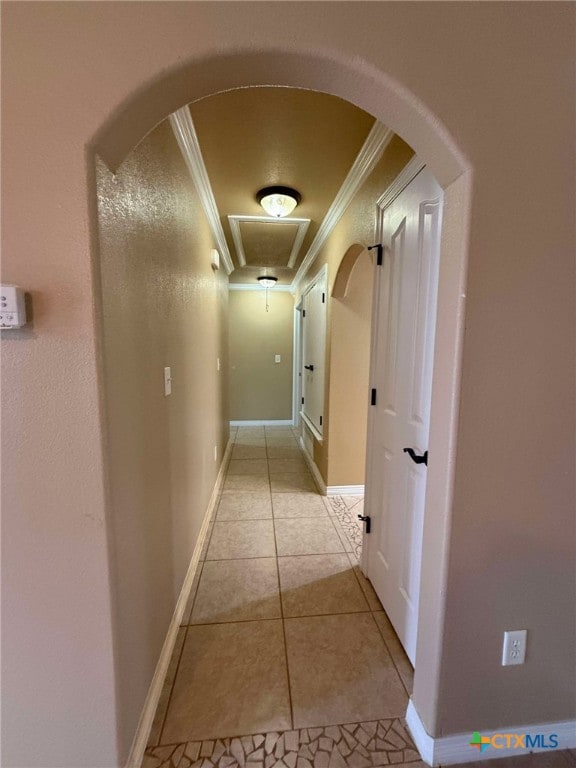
350	339
397	108
344	275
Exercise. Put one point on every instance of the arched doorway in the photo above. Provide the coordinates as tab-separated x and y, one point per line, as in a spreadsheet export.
388	102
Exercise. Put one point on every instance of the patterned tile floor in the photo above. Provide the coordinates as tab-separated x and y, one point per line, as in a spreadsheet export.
359	745
285	658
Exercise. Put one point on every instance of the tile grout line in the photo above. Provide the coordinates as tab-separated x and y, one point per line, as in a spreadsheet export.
283	731
392	659
173	682
348	555
282	613
277	618
185	627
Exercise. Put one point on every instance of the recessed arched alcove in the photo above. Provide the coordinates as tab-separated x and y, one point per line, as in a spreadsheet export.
344	275
350	335
399	109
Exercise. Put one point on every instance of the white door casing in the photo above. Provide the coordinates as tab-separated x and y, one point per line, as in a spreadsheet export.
313	320
297	372
404	315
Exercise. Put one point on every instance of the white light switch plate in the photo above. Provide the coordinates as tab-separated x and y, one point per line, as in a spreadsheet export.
167	381
277	358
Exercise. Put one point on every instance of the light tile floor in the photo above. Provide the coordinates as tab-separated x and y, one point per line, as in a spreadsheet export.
285	658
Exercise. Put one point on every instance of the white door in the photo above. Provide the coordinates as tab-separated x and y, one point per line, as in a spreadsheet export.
313	321
405	294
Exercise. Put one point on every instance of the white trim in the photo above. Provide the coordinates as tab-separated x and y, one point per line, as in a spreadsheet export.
320	277
318	479
236	219
140	740
306	419
263	423
365	162
406	175
450	750
296	377
345	490
256	287
185	133
424	742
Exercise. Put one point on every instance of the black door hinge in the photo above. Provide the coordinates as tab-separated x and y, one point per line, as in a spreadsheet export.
379	253
302	401
366	520
303	313
323	298
320	420
373	397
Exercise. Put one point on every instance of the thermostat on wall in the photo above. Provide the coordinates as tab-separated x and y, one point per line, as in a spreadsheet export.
12	307
215	259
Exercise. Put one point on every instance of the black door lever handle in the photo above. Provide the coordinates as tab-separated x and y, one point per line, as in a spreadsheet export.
309	367
415	458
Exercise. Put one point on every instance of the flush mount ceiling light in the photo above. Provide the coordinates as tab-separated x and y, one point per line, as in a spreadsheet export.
267	281
278	201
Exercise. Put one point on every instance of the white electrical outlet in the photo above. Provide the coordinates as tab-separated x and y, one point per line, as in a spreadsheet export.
514	647
277	358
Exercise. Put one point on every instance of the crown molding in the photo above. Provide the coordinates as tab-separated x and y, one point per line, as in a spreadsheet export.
236	220
185	133
370	153
406	175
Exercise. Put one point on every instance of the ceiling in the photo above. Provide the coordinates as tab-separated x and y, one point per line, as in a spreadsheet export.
256	137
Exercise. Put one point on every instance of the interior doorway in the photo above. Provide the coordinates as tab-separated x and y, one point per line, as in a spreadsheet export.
395	108
403	333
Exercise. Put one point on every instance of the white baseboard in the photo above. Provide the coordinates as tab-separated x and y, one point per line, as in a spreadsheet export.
152	697
449	750
263	423
345	490
318	479
330	490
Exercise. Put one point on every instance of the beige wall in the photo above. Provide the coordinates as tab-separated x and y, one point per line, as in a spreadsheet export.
162	305
261	389
347	397
495	81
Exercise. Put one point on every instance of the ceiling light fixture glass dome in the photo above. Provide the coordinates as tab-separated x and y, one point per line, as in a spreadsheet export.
278	201
267	281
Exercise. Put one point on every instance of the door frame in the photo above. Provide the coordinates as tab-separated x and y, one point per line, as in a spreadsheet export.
297	365
143	103
406	175
320	276
444	412
409	173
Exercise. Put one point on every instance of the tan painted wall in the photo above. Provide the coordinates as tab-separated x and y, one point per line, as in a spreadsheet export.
500	78
261	389
162	305
349	374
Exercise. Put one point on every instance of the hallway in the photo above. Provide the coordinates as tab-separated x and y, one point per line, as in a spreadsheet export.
284	640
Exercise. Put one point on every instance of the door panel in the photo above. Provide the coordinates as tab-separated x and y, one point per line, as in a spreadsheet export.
405	296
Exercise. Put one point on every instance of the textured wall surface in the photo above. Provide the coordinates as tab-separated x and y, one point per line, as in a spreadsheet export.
261	389
482	86
349	375
162	305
